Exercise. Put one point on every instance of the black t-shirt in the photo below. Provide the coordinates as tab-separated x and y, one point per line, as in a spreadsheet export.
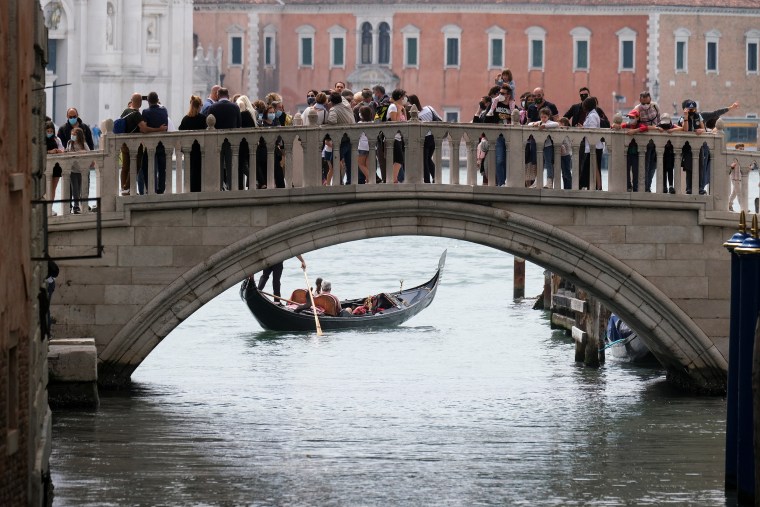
132	119
197	122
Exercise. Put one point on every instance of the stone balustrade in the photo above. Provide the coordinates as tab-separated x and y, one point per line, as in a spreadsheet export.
302	160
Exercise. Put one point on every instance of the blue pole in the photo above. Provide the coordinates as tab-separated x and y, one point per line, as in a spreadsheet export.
733	357
749	253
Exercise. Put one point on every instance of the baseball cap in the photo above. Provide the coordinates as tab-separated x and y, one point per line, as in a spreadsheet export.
634	112
689	104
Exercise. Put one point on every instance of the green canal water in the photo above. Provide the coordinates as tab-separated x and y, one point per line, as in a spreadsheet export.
475	401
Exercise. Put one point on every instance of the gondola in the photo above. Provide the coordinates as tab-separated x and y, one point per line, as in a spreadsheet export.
392	308
624	344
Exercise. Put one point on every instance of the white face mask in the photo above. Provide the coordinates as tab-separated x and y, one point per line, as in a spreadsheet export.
406	101
74	137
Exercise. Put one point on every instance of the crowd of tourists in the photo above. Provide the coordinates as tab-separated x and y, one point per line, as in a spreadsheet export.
340	106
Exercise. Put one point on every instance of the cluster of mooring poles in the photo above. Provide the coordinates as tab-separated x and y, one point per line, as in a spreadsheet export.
742	432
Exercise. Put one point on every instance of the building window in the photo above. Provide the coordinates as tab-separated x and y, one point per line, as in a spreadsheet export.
366	44
384	44
451	115
581	38
337	46
711	51
270	33
305	46
626	50
536	38
753	45
235	44
236	51
451	36
682	49
495	47
411	36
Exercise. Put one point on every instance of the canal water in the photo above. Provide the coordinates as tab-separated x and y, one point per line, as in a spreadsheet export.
475	401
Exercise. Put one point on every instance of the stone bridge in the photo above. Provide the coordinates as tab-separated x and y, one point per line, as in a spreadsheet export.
656	259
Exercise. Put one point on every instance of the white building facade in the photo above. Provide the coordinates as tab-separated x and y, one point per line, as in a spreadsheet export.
102	51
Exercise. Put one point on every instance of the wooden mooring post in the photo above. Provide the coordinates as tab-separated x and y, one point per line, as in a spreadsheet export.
519	283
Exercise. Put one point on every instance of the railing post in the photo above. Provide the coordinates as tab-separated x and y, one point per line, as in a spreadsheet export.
515	157
616	170
210	179
108	178
372	160
413	156
438	160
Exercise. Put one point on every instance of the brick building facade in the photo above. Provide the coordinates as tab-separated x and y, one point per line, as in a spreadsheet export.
449	52
25	421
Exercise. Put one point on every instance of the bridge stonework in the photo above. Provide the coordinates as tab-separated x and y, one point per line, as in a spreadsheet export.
655	259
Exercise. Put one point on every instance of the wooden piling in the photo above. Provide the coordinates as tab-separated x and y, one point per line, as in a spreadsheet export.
519	289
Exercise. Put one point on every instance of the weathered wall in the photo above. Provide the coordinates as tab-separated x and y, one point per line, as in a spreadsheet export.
24	413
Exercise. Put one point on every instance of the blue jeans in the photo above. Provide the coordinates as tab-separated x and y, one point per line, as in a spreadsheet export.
159	163
549	161
345	156
632	170
566	163
501	161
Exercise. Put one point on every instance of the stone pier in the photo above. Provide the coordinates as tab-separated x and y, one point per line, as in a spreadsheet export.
73	373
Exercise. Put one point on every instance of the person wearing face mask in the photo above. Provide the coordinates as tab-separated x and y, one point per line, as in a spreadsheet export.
76	143
74	121
575	114
319	108
270	120
539	103
649	113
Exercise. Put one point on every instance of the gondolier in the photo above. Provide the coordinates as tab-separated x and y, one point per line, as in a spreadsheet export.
276	272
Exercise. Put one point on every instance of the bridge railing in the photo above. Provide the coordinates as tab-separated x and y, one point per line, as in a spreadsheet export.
194	158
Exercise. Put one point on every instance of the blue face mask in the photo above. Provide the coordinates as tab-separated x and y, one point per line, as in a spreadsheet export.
73	121
261	116
49	134
270	116
311	100
278	113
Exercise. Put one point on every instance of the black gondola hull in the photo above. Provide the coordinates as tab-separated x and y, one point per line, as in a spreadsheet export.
279	318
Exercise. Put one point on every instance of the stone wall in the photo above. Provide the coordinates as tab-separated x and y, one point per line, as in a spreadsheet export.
24	414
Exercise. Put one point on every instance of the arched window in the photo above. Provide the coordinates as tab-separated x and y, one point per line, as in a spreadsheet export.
384	43
366	56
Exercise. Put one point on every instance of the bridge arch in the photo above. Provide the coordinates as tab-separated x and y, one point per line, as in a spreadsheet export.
680	345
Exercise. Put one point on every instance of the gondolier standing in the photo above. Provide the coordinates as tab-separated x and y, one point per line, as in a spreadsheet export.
276	272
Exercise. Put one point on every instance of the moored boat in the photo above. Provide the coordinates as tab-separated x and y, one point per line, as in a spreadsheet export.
624	344
388	308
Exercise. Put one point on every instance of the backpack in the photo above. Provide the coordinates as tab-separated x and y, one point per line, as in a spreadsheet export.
119	125
382	112
435	115
603	121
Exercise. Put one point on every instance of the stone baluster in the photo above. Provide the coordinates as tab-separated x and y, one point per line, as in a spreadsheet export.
471	145
438	160
454	164
150	179
108	171
287	160
210	180
296	164
515	156
389	141
271	146
616	171
372	159
235	176
540	140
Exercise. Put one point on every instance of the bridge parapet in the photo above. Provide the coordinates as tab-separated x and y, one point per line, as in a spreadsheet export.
302	162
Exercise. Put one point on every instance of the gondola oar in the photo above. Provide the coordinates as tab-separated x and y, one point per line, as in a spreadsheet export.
311	296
